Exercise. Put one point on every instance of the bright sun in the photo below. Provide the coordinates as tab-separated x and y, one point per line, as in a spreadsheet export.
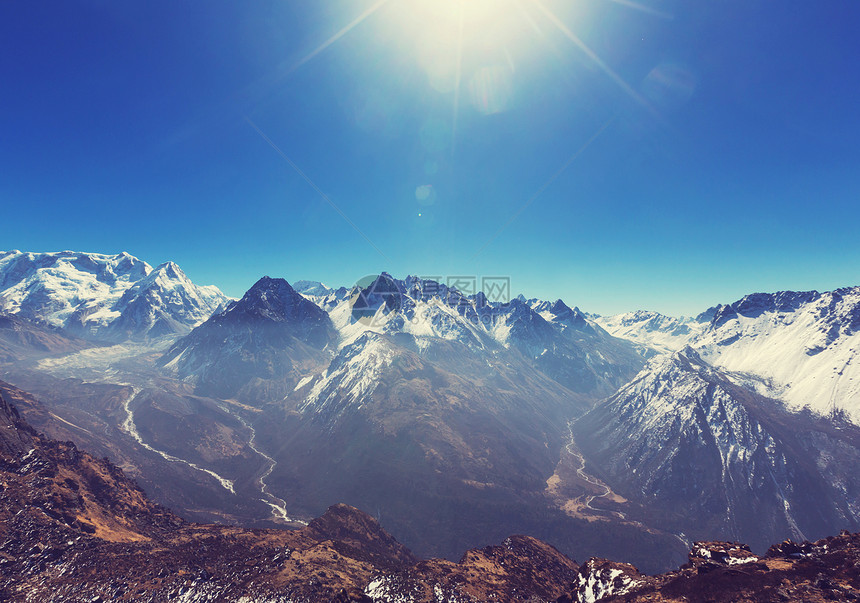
453	39
471	48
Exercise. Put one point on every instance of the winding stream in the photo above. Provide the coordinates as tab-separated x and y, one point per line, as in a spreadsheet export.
130	428
588	479
278	505
607	491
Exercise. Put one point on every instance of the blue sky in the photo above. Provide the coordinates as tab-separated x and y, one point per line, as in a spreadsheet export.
711	148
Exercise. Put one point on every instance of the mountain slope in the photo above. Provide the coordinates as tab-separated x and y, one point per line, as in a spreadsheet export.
21	339
73	528
52	486
258	348
803	346
710	457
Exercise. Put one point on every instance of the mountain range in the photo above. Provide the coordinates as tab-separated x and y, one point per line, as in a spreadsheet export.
103	297
454	419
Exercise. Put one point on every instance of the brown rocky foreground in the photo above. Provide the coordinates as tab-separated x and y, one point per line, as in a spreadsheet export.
74	528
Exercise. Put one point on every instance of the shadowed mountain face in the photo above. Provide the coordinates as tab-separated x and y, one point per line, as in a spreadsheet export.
21	338
258	348
709	457
463	441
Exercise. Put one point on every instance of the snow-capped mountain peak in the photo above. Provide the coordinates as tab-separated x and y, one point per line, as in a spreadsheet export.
312	288
264	343
803	344
103	296
272	299
561	341
164	302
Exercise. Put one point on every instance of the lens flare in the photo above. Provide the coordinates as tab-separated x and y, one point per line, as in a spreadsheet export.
425	195
669	86
490	89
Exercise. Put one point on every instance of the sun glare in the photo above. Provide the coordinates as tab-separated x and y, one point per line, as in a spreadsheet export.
461	11
465	47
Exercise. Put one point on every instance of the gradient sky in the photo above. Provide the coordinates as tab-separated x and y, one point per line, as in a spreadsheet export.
667	155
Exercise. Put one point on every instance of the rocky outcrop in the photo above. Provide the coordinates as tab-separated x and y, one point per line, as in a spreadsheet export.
721	572
520	569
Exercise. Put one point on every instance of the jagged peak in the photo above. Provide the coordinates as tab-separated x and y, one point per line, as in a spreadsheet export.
267	283
167	270
270	290
559	307
275	300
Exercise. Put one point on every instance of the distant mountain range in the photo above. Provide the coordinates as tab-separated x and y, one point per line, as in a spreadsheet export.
653	332
103	297
407	382
408	398
800	348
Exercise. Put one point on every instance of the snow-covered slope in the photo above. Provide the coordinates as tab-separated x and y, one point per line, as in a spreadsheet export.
799	347
805	345
652	330
412	314
710	456
112	297
163	302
